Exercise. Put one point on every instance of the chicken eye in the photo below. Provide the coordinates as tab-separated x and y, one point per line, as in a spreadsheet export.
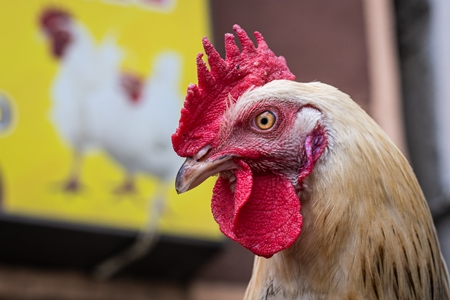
265	120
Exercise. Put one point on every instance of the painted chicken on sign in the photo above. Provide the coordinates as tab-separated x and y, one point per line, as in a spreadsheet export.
97	105
307	181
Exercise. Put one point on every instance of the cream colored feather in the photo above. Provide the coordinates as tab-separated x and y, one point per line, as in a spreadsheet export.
367	231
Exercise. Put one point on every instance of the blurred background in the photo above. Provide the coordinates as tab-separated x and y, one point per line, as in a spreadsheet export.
90	92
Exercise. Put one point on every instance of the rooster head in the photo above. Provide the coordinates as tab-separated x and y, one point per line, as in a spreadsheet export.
236	123
226	80
55	23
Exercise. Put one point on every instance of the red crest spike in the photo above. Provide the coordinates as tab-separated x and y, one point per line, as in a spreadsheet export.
206	102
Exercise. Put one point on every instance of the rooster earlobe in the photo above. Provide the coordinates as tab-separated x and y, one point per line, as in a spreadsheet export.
315	144
319	141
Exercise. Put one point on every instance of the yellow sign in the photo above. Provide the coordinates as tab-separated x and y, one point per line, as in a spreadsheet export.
90	92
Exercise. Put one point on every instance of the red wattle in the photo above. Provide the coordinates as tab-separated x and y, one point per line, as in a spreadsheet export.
262	213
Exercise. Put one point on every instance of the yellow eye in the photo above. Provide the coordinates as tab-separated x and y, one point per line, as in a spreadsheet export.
265	120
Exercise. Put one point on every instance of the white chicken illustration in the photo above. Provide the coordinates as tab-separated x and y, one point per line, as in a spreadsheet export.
134	129
133	125
82	69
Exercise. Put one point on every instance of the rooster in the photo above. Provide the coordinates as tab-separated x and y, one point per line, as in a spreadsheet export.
307	181
132	124
83	67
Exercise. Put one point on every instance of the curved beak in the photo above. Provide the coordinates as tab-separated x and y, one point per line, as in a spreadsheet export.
194	172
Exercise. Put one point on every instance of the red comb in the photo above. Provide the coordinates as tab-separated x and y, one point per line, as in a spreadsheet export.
206	102
52	13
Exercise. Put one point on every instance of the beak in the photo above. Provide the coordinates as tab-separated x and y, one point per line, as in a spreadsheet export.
193	172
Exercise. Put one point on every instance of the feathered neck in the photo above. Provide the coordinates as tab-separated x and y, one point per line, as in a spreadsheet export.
367	229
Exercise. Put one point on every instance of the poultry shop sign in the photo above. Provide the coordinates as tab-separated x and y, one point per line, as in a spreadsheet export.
90	93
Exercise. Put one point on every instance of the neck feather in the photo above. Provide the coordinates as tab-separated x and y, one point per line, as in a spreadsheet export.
367	228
